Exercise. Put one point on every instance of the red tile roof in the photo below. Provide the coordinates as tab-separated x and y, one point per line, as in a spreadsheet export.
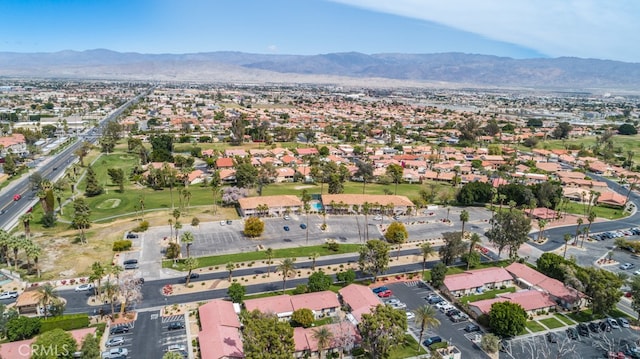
476	278
220	334
360	298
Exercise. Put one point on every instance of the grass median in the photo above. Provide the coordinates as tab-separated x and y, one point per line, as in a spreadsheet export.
213	261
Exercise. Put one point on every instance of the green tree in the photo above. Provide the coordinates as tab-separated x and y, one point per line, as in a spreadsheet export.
627	129
603	287
253	227
161	148
318	281
346	277
90	347
230	268
117	177
9	166
507	319
453	247
81	221
471	258
425	318
490	343
83	151
264	336
427	251
58	344
93	186
21	328
302	318
246	173
374	257
567	238
172	355
287	268
236	292
562	130
381	330
396	233
510	229
473	242
438	273
324	338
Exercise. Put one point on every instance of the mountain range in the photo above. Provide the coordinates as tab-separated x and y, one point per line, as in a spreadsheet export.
446	69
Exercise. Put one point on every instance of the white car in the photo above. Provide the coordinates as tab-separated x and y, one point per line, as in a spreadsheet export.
627	266
442	304
115	341
392	301
84	287
222	223
399	306
410	315
115	353
9	295
286	217
377	218
175	348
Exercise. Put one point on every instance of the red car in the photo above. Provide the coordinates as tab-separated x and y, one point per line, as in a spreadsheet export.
17	197
385	294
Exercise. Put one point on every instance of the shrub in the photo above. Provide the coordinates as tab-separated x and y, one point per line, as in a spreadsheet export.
65	322
143	226
122	245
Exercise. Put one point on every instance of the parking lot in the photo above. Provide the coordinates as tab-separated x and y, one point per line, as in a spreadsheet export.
413	294
593	346
152	334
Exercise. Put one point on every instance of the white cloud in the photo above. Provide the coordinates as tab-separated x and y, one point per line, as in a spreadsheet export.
605	29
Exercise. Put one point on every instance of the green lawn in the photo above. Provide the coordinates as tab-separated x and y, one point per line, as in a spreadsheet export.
600	211
534	326
552	323
409	349
487	295
582	316
564	319
260	256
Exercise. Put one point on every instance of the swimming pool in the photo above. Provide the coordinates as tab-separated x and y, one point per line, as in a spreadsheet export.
316	206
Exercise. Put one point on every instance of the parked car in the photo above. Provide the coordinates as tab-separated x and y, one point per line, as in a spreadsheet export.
460	317
192	276
399	306
623	322
175	348
9	295
552	337
286	217
452	311
114	341
386	294
604	326
115	353
119	330
377	218
626	266
583	329
131	235
594	327
410	315
286	228
175	325
613	323
392	301
84	287
222	223
379	289
432	340
572	333
131	266
434	300
471	328
130	261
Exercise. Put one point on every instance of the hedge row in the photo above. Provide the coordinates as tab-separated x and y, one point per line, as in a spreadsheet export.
122	245
65	322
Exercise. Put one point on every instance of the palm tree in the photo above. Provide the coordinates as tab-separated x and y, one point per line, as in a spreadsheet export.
115	271
541	223
425	318
15	243
313	257
287	268
567	238
269	254
4	245
580	221
464	218
110	290
34	251
26	222
426	250
170	221
97	272
591	218
366	208
230	267
46	296
473	241
190	264
187	238
324	337
141	202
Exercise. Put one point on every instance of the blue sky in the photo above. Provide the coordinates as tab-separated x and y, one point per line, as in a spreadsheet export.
605	29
